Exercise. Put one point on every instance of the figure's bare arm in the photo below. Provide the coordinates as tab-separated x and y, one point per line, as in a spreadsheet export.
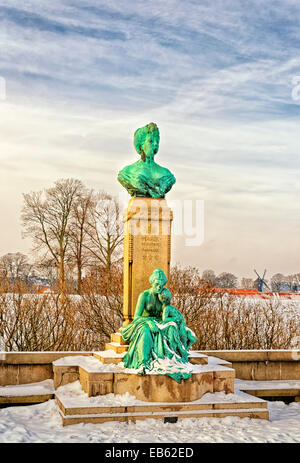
165	313
167	316
140	305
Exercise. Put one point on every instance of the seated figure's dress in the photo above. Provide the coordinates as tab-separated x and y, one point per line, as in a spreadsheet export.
151	341
145	342
179	337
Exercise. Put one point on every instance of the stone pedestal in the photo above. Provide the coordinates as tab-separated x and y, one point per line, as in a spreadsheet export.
147	246
155	396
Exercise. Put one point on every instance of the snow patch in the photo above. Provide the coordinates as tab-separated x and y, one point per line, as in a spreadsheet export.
41	388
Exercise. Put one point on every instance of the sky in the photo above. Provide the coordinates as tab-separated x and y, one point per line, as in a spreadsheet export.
220	79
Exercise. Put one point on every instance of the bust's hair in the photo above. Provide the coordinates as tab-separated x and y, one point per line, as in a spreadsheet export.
167	293
157	274
140	137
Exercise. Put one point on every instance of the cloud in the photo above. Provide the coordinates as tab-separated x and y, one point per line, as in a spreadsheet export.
217	79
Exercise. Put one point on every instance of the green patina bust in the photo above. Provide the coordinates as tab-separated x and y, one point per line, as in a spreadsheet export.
146	178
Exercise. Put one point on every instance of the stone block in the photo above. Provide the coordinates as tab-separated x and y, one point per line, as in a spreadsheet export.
198	359
63	375
96	383
284	355
104	358
13	374
162	388
118	348
224	381
239	355
117	338
31	358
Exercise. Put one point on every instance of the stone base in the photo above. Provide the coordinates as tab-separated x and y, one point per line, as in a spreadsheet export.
78	410
97	379
157	396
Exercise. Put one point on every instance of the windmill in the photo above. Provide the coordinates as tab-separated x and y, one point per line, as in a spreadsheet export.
261	281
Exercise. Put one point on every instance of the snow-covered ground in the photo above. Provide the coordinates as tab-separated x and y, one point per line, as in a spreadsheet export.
42	424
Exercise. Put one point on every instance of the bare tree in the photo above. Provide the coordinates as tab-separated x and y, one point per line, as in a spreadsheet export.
209	276
81	215
104	232
46	218
276	281
226	280
247	283
101	305
15	266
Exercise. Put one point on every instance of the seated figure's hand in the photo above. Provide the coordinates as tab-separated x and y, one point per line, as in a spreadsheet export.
152	326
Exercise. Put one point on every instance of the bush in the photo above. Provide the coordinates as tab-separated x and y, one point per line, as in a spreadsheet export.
35	322
223	321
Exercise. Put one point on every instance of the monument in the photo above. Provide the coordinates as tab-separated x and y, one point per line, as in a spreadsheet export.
148	219
149	358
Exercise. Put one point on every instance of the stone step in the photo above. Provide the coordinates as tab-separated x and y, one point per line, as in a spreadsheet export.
116	347
117	338
79	406
274	392
26	399
166	416
217	361
75	408
275	388
109	356
29	393
197	359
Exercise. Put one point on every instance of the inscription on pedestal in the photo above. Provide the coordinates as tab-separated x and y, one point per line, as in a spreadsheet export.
147	245
150	247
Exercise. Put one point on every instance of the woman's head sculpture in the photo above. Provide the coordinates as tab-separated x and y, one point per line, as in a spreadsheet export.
146	140
157	280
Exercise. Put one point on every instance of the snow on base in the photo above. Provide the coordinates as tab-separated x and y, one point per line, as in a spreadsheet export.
93	365
217	361
110	353
73	395
42	423
41	388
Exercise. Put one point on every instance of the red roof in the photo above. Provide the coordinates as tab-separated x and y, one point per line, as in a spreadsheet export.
238	291
250	292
